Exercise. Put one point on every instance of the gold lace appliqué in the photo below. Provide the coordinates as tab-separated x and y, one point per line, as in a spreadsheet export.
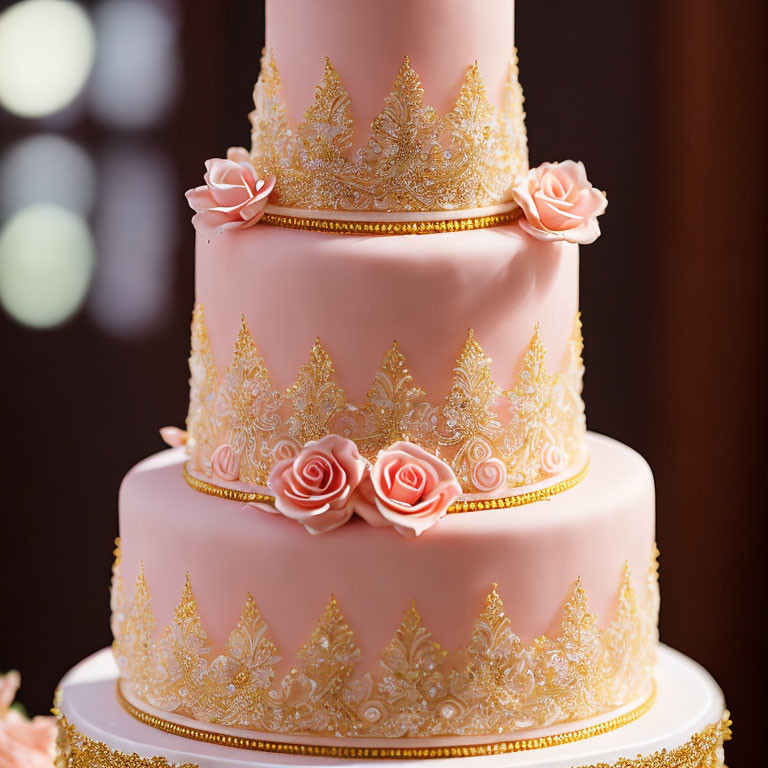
502	685
414	160
201	418
490	437
249	410
75	750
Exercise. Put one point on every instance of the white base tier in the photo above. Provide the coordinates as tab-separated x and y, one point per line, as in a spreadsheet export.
688	703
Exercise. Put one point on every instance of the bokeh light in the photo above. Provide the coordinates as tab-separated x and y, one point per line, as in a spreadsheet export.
46	53
46	168
47	257
137	66
136	234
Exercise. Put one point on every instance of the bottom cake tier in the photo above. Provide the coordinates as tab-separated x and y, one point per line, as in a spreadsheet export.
494	627
684	728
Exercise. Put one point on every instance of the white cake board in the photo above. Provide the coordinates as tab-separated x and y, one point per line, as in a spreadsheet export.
688	700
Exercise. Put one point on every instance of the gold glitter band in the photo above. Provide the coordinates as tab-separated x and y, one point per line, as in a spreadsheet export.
76	750
385	753
505	502
247	497
331	226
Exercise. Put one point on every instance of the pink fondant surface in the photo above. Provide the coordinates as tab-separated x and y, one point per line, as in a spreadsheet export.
366	41
534	553
359	294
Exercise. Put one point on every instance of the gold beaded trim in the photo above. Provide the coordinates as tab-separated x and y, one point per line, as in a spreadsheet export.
247	497
331	226
523	498
479	505
385	753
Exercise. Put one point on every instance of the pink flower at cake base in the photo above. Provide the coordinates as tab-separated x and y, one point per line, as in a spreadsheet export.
23	743
315	487
225	463
233	197
408	488
553	459
559	203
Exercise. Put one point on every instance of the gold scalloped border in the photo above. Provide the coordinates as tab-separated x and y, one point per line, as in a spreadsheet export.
479	505
435	227
384	753
76	750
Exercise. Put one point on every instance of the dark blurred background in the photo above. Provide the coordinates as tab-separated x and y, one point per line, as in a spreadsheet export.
107	112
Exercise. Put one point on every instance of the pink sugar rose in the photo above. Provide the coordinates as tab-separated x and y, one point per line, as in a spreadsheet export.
553	459
315	486
173	436
559	203
232	197
225	463
408	488
23	743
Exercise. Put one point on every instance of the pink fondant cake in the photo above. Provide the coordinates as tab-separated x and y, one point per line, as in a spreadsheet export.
385	531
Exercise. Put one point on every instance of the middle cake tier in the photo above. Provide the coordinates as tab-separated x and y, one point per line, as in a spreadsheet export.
466	343
497	624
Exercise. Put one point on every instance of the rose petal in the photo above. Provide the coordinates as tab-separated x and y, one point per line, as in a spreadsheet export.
584	234
540	233
173	436
409	484
238	155
9	687
210	222
200	198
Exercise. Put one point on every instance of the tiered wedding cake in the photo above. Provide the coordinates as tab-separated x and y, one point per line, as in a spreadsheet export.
386	532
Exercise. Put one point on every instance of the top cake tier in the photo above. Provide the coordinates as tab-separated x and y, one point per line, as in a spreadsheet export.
402	110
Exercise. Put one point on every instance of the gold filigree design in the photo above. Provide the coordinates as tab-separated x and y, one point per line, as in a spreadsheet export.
315	396
468	407
467	418
201	418
75	750
245	670
501	686
568	417
492	438
703	750
117	591
387	415
413	161
251	410
402	702
531	408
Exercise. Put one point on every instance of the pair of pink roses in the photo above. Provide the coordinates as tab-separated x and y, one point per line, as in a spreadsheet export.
23	743
329	481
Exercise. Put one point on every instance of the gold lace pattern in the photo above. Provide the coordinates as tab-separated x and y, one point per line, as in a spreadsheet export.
414	160
492	438
501	685
75	750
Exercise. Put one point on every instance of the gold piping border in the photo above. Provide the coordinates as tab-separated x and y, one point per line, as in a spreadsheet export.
505	502
384	753
334	227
